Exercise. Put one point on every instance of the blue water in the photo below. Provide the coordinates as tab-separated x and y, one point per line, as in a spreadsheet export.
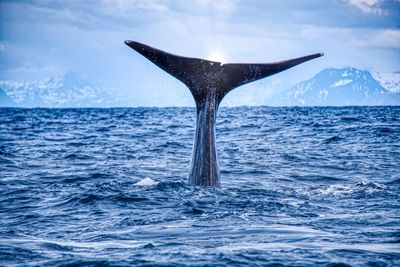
300	186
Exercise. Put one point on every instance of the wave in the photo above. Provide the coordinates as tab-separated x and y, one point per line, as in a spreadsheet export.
300	186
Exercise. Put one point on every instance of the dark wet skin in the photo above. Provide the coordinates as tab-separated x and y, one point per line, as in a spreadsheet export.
209	82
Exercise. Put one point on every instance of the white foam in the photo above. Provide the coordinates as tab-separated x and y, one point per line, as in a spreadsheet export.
146	182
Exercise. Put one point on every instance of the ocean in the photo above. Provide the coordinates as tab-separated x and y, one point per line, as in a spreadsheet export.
107	187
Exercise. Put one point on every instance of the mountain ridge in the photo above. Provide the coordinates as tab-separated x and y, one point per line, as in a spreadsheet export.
329	87
337	87
68	90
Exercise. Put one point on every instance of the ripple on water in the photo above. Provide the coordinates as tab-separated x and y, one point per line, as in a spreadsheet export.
301	187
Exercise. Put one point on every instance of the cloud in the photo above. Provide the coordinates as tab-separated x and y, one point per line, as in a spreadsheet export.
118	15
367	6
384	39
125	8
221	5
87	36
365	38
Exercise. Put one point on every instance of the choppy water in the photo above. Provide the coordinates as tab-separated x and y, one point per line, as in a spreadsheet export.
301	186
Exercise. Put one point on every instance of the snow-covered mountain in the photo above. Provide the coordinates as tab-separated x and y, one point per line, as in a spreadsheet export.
5	100
389	80
64	91
339	87
330	87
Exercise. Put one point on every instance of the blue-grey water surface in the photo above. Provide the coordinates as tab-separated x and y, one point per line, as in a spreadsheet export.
300	187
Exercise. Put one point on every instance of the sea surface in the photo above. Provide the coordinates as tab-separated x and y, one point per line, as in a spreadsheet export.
107	187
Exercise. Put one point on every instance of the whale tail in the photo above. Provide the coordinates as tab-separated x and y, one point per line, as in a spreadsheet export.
200	74
209	82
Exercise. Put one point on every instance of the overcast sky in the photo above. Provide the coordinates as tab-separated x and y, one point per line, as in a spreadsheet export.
39	39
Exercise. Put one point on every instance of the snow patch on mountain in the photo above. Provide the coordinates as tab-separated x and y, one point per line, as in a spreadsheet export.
390	81
341	82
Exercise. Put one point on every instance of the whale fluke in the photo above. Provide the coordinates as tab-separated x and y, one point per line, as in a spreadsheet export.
209	82
240	73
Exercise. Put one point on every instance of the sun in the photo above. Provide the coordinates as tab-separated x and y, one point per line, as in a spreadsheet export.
216	56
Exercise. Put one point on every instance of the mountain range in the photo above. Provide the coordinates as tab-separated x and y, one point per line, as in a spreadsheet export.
342	87
61	91
330	87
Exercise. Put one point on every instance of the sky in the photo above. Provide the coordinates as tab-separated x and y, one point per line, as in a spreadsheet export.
42	38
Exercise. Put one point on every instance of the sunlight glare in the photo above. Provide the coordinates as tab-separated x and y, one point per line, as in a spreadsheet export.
216	56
